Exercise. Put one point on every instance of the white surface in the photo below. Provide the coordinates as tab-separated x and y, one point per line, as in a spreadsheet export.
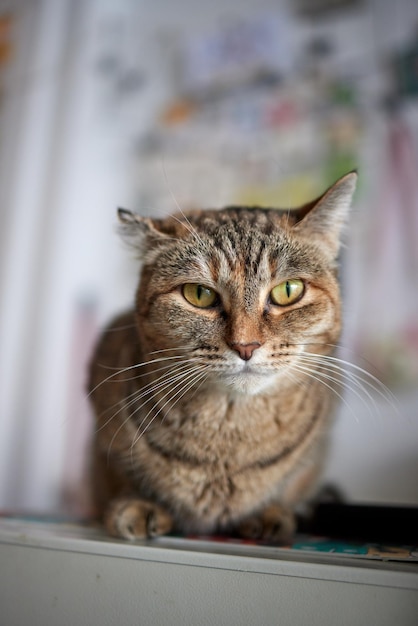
75	576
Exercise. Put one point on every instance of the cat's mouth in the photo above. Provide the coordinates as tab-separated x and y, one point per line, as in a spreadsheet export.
249	378
245	370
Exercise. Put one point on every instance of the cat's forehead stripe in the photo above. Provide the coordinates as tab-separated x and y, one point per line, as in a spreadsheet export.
245	252
247	245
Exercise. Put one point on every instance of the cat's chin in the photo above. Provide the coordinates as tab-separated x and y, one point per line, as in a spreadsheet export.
248	383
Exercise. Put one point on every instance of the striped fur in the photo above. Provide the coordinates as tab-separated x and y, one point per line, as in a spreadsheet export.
190	434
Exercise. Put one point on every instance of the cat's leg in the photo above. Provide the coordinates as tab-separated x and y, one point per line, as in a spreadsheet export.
132	518
275	524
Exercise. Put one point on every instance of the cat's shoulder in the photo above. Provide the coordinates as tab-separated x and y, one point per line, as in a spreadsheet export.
115	347
122	326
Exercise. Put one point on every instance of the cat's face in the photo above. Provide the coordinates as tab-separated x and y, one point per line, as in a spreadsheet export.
243	293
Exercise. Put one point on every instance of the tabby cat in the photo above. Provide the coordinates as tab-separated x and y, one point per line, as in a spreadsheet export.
213	409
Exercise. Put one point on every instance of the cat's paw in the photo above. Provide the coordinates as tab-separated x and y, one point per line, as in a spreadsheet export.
274	524
132	519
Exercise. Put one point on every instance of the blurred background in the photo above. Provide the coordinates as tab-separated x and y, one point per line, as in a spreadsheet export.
148	104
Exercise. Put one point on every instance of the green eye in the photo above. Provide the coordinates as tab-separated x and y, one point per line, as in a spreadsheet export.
199	295
288	292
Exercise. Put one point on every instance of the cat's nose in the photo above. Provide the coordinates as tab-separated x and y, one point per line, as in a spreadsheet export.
245	350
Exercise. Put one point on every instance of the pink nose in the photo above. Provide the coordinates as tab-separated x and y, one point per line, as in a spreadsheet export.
245	350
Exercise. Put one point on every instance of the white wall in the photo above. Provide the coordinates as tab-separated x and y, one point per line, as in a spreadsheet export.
59	247
69	133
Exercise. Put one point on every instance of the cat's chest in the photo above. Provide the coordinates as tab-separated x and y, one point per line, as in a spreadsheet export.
221	432
230	455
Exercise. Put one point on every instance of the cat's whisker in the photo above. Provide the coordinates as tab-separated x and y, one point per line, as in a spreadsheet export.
169	350
345	373
200	378
179	395
187	222
150	389
190	376
166	383
163	380
294	379
203	379
362	374
315	375
159	369
139	393
370	380
366	377
178	379
121	370
339	376
188	226
342	348
115	434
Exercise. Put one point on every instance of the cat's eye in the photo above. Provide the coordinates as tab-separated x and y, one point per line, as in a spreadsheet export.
288	292
200	295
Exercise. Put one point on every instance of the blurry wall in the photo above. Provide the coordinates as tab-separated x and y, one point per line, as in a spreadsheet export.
146	105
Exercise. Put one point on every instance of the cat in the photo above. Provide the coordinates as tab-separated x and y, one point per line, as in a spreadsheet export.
213	396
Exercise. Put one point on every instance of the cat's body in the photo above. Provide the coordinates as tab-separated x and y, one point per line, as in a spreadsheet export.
212	411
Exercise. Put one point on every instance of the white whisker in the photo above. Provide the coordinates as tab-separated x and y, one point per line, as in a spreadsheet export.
187	377
159	369
337	375
142	392
181	377
169	349
179	395
317	376
362	375
187	223
121	370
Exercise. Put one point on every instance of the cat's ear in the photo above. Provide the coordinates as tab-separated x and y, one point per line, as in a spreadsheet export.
324	218
141	233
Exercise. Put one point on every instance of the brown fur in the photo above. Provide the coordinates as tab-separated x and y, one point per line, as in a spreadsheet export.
190	435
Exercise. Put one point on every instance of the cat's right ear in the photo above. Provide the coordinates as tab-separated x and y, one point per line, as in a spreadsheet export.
140	232
323	219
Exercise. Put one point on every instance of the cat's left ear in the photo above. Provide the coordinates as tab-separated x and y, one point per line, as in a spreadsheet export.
140	232
324	218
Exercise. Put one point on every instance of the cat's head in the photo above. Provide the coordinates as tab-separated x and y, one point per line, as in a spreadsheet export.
243	293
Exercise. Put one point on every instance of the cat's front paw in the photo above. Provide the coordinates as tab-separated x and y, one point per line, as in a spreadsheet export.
132	519
274	524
